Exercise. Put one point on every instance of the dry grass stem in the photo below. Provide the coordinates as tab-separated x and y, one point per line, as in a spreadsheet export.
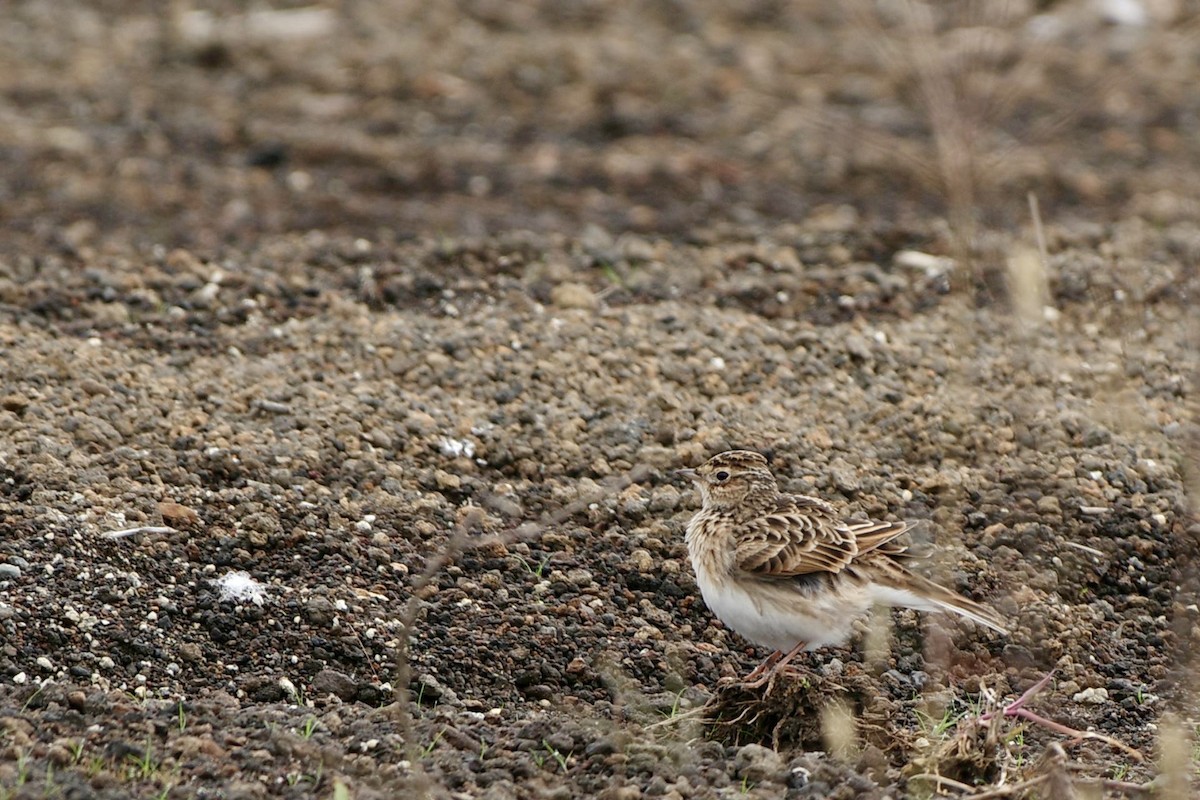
1035	212
121	534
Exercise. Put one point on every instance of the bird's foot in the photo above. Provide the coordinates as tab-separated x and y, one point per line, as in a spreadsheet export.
767	671
762	670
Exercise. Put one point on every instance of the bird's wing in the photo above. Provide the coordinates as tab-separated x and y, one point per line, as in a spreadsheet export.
875	535
803	535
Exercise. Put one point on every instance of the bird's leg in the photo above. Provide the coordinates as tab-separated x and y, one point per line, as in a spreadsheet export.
764	666
775	663
783	662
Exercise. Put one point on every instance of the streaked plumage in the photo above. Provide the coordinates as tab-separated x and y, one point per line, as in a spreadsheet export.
787	572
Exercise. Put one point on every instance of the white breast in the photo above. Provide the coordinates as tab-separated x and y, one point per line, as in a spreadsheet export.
780	617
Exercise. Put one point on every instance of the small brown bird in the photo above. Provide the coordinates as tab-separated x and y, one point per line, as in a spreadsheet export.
786	572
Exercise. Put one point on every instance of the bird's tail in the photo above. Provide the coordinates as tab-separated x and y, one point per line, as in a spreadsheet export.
914	591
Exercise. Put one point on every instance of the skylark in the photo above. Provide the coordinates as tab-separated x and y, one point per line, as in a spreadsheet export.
787	572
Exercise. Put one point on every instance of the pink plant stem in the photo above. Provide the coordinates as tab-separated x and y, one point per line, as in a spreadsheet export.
1016	705
1016	709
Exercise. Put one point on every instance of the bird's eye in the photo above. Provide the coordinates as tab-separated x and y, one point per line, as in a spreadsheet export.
722	476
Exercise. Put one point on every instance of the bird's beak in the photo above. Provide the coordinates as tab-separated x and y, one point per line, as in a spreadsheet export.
690	474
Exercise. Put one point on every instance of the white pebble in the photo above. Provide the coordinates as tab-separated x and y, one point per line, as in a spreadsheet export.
1094	695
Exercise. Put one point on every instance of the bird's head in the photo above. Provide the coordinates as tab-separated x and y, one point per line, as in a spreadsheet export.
733	479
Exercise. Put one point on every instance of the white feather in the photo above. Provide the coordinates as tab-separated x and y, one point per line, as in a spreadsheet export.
903	598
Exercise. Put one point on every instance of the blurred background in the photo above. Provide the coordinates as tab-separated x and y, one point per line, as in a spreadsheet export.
196	123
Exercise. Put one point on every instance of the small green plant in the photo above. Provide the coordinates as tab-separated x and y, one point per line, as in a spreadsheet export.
1016	739
674	712
76	752
309	728
432	744
938	728
144	766
181	717
611	273
36	693
1120	772
535	572
559	757
22	768
747	785
296	778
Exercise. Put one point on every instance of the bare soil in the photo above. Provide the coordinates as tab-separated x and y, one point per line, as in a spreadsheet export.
409	314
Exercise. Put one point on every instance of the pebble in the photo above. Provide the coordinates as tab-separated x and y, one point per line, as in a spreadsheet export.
320	611
190	651
601	747
9	571
573	295
579	577
1093	695
641	560
176	514
833	668
420	422
647	633
626	793
1049	505
756	763
16	403
332	682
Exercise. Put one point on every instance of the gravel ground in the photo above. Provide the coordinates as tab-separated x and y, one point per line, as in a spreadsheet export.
404	319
